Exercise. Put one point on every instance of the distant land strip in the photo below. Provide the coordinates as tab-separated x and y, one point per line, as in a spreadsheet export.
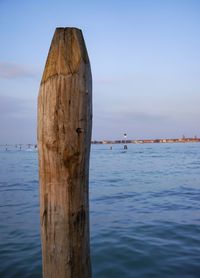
143	141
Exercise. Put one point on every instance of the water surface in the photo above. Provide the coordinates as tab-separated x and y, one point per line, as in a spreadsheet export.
144	211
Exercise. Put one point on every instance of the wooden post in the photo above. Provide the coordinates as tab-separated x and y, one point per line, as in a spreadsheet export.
64	136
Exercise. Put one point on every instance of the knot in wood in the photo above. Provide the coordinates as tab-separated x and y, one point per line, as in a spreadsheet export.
79	130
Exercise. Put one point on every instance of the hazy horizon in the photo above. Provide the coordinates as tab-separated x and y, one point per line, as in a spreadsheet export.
144	57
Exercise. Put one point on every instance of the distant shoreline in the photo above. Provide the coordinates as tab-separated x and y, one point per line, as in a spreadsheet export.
140	141
145	141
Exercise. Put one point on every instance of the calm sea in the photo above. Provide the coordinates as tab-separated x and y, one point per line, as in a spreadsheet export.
144	212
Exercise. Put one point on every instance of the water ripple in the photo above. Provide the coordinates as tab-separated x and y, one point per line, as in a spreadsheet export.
144	212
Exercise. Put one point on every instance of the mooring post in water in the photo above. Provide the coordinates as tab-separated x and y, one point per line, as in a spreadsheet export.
64	136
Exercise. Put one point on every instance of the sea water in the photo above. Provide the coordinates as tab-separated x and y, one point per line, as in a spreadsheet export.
144	211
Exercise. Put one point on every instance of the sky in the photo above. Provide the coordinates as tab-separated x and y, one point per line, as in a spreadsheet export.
144	55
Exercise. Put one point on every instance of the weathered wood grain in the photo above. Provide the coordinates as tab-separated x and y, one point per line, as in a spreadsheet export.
64	136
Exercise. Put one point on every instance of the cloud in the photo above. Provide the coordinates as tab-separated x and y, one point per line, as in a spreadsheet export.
145	117
121	116
17	120
16	107
10	70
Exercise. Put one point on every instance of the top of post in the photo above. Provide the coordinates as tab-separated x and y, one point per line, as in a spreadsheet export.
66	52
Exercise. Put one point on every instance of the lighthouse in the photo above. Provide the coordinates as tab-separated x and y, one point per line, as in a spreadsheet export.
125	145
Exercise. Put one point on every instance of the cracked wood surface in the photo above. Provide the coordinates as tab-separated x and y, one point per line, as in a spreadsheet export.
64	136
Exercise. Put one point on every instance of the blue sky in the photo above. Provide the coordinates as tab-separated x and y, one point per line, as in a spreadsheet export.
145	61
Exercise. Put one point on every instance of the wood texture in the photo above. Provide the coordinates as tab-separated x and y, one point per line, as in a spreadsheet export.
64	136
